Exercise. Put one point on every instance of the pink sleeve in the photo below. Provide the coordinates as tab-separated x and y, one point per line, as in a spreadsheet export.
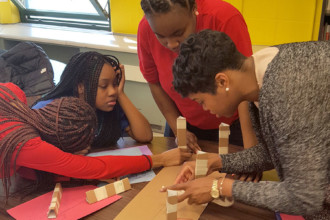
146	60
40	155
237	30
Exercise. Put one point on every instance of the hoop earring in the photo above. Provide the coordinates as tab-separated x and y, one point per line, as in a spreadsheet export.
227	89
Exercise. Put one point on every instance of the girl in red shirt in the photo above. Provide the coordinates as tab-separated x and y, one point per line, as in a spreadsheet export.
47	139
165	25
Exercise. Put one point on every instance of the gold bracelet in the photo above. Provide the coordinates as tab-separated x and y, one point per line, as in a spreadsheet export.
220	187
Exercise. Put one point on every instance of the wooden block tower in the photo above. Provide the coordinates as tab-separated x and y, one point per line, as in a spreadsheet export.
224	132
172	204
181	127
201	164
55	202
107	191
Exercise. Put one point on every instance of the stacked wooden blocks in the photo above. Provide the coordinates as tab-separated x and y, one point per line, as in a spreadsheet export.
107	191
181	127
172	204
201	164
55	202
224	132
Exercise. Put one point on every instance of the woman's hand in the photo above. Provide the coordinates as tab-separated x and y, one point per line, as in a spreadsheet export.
192	142
187	171
214	162
252	177
171	157
197	191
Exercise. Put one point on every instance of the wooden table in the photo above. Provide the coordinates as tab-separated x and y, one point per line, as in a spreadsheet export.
158	145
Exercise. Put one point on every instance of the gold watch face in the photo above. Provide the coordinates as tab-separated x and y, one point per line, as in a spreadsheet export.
215	193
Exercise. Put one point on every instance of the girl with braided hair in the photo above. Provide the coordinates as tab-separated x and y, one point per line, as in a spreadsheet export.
165	25
48	140
99	80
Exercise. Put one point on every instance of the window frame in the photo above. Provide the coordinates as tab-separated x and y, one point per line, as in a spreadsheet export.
54	18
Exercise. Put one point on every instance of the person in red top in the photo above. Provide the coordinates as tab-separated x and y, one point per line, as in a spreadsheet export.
165	25
52	139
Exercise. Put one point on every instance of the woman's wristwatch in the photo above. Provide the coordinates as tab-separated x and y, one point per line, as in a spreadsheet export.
215	191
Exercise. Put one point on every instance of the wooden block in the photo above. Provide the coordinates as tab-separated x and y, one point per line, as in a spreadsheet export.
224	127
55	202
107	191
201	164
181	127
224	132
172	204
223	150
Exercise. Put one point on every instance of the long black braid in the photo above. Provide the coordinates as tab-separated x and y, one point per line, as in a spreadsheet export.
85	68
67	123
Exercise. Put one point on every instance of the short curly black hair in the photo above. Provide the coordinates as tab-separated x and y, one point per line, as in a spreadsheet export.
150	7
203	55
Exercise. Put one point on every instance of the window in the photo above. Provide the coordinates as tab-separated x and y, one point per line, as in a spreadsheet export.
91	14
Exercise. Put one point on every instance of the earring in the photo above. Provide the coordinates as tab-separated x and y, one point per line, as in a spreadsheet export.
227	89
196	13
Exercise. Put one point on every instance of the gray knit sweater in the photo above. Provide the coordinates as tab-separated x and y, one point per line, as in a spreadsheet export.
293	129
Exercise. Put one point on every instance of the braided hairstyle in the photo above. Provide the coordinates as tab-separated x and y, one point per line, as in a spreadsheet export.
151	7
85	68
203	55
67	123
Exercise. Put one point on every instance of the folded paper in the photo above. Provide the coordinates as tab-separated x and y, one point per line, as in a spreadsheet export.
73	205
150	204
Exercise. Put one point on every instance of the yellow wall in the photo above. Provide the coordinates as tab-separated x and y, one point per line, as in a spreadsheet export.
281	21
8	13
269	22
125	16
317	19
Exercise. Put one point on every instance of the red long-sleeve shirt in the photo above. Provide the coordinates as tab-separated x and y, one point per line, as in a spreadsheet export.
40	155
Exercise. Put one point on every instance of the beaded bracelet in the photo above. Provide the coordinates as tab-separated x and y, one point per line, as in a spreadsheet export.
148	161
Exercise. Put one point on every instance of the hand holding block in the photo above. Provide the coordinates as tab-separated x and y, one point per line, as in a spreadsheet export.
201	164
108	190
224	132
181	128
172	204
56	200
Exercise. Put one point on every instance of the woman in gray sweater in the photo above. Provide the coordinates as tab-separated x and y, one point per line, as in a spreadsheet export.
288	90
